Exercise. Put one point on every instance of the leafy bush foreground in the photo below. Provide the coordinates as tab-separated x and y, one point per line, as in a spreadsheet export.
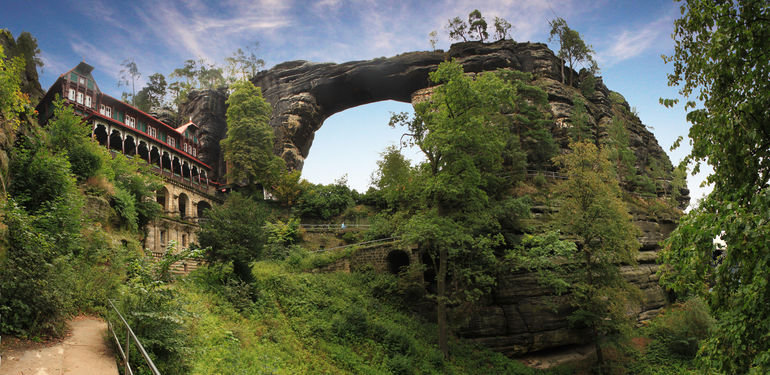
286	322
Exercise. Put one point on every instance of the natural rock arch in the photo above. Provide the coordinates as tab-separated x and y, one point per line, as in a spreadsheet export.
304	94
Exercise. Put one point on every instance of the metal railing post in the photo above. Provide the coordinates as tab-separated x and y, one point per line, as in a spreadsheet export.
128	350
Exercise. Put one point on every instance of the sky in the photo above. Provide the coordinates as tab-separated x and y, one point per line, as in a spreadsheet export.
629	38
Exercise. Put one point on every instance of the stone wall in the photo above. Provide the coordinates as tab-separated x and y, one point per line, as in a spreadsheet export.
373	256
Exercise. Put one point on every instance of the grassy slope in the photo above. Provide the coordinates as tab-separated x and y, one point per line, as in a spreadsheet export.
318	323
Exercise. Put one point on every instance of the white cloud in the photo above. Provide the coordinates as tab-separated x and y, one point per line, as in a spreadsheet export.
633	42
97	57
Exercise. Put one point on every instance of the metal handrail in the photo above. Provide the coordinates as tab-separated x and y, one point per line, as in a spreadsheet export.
391	239
130	335
333	226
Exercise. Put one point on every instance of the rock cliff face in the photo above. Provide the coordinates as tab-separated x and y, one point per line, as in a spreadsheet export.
519	316
207	109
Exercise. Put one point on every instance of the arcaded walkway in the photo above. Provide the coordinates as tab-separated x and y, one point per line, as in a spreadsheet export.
83	352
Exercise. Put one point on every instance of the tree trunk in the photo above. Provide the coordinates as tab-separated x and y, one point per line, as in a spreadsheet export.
562	70
598	348
441	318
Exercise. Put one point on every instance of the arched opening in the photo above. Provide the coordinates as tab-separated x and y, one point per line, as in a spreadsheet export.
204	179
100	134
176	166
143	151
183	203
116	141
194	174
185	170
332	155
155	156
203	206
129	145
165	161
162	197
397	260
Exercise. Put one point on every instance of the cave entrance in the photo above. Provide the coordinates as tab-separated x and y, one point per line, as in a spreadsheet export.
398	260
351	142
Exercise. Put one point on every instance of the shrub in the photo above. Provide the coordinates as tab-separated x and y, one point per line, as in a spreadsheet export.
325	201
34	295
588	85
123	203
616	98
38	177
682	327
539	180
152	310
235	233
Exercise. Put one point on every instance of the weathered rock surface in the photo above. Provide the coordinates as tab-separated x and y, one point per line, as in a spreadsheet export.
520	316
207	109
304	94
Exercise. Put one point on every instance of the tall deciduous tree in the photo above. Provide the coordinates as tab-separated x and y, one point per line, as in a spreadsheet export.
502	27
151	96
452	219
593	213
129	74
721	58
457	29
242	63
234	233
572	48
249	143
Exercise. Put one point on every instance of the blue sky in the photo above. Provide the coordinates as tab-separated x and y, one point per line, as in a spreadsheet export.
628	36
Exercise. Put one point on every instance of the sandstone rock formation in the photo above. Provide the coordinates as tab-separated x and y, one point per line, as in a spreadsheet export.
207	109
520	316
304	94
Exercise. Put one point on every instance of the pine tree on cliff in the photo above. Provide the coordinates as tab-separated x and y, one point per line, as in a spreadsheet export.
572	48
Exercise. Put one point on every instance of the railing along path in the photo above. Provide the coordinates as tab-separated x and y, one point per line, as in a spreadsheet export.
365	243
129	336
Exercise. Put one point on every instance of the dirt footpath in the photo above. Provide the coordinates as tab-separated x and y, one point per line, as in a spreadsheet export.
83	352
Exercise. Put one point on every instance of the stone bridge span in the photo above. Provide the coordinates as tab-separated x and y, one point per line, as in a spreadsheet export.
304	94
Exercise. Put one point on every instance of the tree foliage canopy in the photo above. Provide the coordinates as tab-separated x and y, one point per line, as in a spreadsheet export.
453	192
572	48
593	212
721	59
249	142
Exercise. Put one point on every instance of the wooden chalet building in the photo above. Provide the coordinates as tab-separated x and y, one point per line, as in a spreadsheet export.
171	152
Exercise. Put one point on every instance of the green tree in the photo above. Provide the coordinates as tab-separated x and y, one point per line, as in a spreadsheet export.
289	187
14	104
129	74
393	176
502	28
528	115
580	130
721	59
477	24
572	48
248	146
151	96
234	233
69	133
433	39
325	201
451	218
244	63
457	29
620	153
593	213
